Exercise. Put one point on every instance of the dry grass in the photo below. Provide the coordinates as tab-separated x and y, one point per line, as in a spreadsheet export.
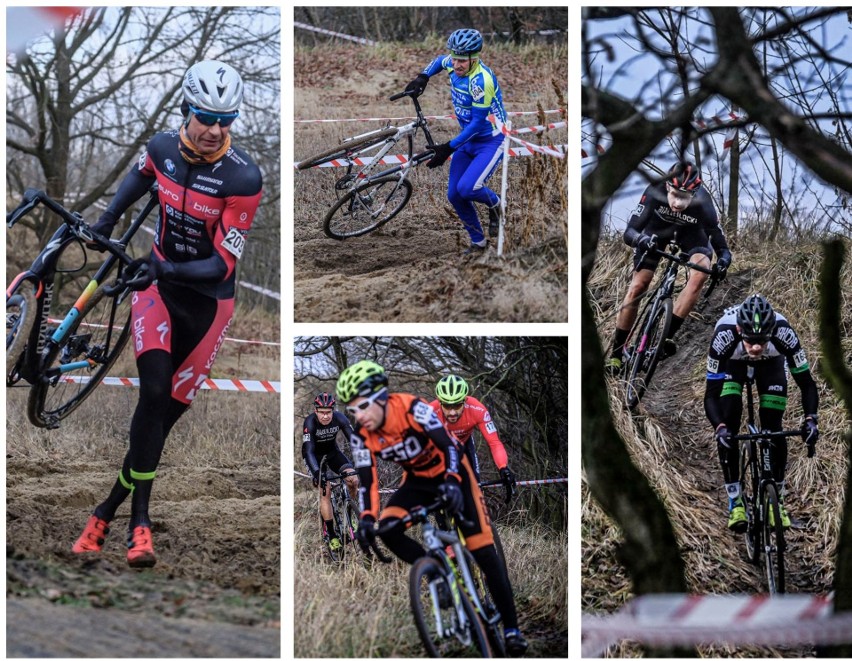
354	611
670	441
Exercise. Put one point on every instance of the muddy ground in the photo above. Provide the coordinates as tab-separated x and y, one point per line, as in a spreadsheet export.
215	590
412	269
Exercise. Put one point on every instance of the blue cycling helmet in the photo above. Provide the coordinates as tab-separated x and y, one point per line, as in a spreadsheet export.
466	41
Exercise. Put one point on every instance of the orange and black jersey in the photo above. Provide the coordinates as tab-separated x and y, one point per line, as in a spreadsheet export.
411	436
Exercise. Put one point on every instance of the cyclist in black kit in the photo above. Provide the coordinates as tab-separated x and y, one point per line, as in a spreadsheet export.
755	334
182	306
676	208
319	440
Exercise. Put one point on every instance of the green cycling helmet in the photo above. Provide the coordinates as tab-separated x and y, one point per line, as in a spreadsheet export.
361	380
451	389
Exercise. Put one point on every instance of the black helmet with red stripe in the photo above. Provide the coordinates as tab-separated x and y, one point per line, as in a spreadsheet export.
324	400
684	177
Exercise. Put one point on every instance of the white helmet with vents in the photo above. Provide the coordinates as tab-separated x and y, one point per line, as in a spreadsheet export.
213	85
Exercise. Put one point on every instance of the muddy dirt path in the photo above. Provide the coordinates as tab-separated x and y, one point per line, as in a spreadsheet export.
214	591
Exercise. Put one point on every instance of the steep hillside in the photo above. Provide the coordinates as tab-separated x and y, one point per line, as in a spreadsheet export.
671	441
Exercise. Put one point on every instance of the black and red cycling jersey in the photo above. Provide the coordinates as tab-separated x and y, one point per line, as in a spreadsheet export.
320	440
411	436
206	211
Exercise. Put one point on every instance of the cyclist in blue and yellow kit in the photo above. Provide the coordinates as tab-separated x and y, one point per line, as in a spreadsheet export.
477	150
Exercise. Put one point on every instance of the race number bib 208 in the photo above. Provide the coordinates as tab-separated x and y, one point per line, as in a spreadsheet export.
234	242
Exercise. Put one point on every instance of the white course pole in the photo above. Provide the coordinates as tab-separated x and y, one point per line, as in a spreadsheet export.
503	186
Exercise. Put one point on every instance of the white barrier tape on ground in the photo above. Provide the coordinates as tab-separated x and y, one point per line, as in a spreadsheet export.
401	159
242	283
539	128
227	339
517	113
237	385
332	33
686	620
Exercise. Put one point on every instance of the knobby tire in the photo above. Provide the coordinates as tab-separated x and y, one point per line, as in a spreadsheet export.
367	207
749	496
341	150
102	318
21	312
642	366
423	607
494	632
773	537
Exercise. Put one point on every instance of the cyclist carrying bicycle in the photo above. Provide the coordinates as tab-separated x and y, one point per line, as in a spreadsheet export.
478	149
755	334
184	293
461	413
320	433
680	207
404	429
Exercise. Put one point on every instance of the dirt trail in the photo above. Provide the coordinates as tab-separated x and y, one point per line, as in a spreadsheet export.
214	591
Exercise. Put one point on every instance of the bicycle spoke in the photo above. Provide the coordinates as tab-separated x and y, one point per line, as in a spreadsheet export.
367	207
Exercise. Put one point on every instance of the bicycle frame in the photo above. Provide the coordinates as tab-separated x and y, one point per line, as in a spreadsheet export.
366	172
42	346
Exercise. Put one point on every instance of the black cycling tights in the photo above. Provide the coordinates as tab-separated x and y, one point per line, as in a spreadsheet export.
155	415
495	571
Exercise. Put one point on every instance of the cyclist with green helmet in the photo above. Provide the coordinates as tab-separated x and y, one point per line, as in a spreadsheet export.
404	429
461	413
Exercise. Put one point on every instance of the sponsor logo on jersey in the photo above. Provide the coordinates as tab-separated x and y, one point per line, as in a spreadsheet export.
168	193
243	217
217	165
676	217
722	341
775	388
210	180
786	335
170	167
204	209
205	189
403	451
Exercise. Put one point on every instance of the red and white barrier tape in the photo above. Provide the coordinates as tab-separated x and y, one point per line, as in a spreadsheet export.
118	328
517	113
397	159
541	149
238	385
539	129
685	620
331	33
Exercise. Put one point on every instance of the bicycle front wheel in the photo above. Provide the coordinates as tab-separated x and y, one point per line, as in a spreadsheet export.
349	516
491	618
20	319
444	630
367	207
85	355
647	351
346	147
749	495
773	541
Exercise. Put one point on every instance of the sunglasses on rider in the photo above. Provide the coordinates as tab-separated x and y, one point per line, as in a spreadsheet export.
453	407
210	118
756	339
363	406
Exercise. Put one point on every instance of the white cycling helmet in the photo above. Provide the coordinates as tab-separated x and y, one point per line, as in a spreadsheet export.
213	85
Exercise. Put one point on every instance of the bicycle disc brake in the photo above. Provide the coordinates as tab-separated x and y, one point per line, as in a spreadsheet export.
345	182
78	346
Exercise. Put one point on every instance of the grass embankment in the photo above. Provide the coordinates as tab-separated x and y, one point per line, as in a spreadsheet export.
671	441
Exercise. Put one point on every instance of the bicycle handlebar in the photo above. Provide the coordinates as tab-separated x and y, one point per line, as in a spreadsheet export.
787	433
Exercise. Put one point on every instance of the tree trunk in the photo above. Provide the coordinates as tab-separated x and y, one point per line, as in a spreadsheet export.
779	193
732	225
840	378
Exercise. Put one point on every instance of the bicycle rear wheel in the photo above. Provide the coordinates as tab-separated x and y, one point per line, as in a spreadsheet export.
367	207
753	527
443	630
346	147
647	351
88	351
21	310
773	540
